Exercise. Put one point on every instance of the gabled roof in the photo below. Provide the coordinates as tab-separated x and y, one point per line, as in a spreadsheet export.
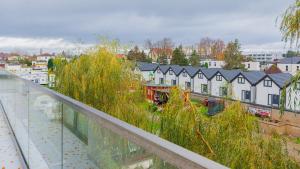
273	69
253	77
290	60
209	72
176	69
163	68
192	71
280	79
229	75
143	66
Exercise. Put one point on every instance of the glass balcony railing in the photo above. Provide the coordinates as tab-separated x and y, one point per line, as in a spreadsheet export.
54	131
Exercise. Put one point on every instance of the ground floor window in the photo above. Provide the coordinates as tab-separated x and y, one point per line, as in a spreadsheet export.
173	82
161	80
187	85
273	99
204	88
223	91
246	95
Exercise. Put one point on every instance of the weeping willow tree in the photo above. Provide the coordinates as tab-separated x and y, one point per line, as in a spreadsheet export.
290	29
232	138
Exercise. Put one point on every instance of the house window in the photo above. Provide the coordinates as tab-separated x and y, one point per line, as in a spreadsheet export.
223	91
184	74
273	99
215	63
241	80
158	71
297	67
248	65
161	80
171	72
174	82
286	68
209	63
204	88
246	95
200	76
218	77
187	85
268	83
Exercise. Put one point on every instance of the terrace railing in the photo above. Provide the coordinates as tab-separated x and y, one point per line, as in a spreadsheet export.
55	131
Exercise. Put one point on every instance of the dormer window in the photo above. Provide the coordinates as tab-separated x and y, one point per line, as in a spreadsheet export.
200	75
184	74
268	83
218	77
171	72
158	71
241	80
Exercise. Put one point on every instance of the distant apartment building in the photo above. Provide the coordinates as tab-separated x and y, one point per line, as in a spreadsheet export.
263	56
213	63
252	65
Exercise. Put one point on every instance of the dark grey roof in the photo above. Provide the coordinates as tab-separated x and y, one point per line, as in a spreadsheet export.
209	72
280	78
163	68
253	76
176	69
191	70
229	75
143	66
290	60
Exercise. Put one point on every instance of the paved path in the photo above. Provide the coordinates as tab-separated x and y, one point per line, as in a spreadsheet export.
9	158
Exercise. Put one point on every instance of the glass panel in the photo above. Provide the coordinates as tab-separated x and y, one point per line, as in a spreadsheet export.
45	131
90	145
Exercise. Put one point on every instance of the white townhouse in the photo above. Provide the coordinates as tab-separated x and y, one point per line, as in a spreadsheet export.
293	96
244	85
289	65
172	75
252	66
160	74
202	83
268	89
221	82
146	70
185	77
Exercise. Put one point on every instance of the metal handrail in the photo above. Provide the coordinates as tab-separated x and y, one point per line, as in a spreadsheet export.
170	152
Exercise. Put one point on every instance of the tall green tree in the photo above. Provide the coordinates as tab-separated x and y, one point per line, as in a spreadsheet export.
194	59
233	56
50	64
136	55
178	57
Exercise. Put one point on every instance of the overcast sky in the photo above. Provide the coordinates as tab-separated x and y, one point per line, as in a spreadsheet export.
60	23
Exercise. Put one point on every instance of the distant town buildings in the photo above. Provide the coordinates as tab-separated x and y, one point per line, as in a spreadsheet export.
263	56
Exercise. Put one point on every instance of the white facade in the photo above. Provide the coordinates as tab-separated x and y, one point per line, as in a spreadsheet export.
252	65
43	58
289	68
293	97
217	82
145	75
14	68
265	92
263	56
185	81
242	90
159	76
201	84
171	78
213	63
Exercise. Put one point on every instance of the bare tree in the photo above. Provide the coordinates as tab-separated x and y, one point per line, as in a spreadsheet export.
204	47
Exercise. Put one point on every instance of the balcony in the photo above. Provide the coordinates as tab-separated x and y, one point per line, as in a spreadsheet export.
54	131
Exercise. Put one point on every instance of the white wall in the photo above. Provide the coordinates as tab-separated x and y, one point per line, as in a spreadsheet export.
158	76
262	92
198	82
252	65
183	79
292	99
292	68
146	75
238	87
169	77
213	63
215	85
